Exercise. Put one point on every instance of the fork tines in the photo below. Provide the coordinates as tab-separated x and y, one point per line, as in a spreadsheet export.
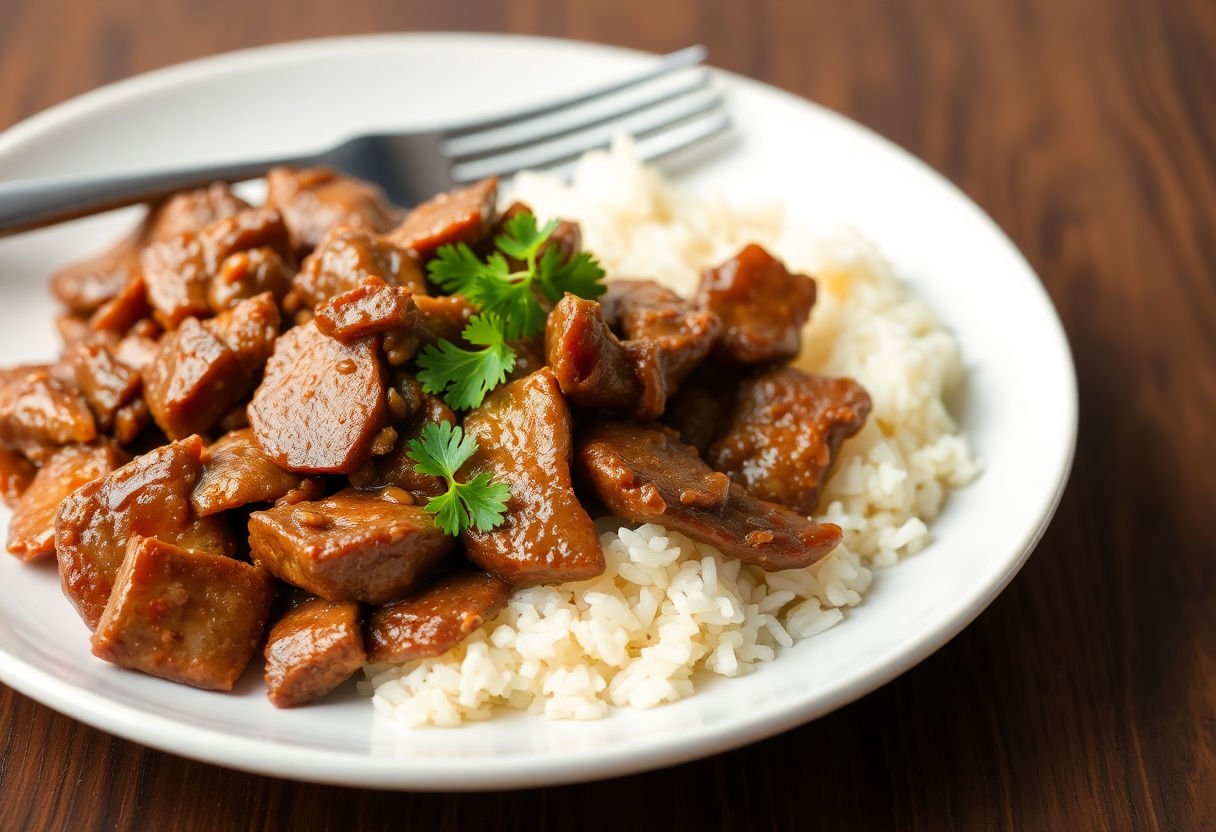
665	108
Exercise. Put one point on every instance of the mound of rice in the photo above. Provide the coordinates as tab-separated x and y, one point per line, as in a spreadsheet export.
667	606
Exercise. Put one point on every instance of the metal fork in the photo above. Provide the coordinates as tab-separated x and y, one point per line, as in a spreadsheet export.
667	107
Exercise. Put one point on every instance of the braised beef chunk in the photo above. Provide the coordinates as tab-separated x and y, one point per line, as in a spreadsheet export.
148	496
371	307
106	383
595	369
311	650
194	617
523	435
784	432
85	285
179	272
698	411
39	411
123	311
321	403
237	472
193	211
346	258
202	369
130	421
644	474
136	351
436	619
31	533
464	215
396	468
763	307
73	329
354	546
246	274
684	333
16	474
314	200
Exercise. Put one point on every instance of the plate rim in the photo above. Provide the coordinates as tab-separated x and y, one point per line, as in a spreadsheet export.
456	774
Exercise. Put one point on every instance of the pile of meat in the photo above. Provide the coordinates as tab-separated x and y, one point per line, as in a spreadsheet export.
218	460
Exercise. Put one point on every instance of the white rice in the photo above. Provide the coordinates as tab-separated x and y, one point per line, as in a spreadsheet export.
667	606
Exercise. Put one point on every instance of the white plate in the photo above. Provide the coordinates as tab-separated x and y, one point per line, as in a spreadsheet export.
1019	409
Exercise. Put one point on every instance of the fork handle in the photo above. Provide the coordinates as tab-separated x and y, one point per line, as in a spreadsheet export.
26	204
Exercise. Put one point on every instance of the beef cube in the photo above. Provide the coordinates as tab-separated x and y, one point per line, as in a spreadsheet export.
314	200
353	546
237	472
107	383
523	435
192	211
321	402
785	431
31	533
311	650
73	329
644	474
16	474
39	411
246	274
84	286
149	496
371	307
202	369
435	620
683	333
346	258
763	308
123	311
463	215
193	617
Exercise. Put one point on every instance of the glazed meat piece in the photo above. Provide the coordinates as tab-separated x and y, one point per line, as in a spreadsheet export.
311	650
39	411
123	311
784	432
463	215
136	351
436	619
179	272
396	468
643	309
73	329
16	474
194	617
194	211
698	411
148	496
314	200
371	307
237	472
354	546
106	383
85	285
321	403
523	435
202	370
246	274
31	533
595	369
763	307
644	474
344	260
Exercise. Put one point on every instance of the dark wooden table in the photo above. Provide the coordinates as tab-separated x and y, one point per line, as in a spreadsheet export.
1085	697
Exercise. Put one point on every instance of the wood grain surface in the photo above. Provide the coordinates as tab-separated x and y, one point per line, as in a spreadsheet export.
1085	697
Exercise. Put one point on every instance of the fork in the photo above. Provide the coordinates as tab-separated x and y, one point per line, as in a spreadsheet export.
667	107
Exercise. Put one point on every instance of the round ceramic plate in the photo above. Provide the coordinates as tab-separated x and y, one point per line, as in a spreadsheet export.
1018	410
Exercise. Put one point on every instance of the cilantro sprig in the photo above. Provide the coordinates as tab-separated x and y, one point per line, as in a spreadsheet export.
512	295
464	377
479	503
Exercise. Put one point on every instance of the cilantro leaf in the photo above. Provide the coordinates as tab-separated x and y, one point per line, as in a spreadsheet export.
479	503
520	238
464	377
582	275
456	266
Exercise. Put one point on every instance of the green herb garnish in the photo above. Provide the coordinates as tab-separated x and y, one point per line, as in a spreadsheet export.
463	377
479	503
